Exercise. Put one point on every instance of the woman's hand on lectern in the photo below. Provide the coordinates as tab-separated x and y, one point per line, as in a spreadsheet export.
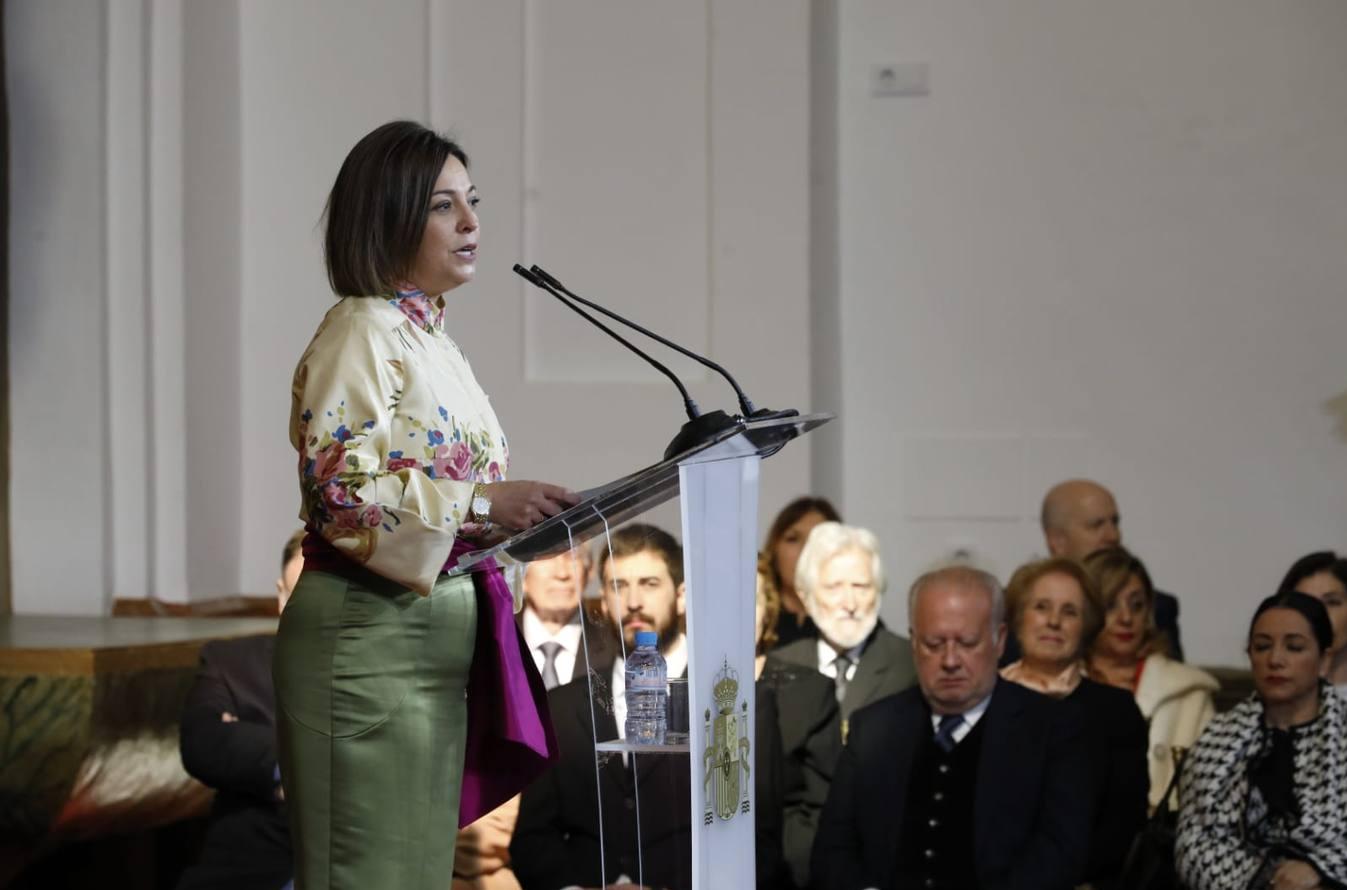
521	505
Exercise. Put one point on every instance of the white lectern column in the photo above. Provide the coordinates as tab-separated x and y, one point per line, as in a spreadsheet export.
720	512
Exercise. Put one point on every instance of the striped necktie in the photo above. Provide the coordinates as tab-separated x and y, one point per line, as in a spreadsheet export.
944	733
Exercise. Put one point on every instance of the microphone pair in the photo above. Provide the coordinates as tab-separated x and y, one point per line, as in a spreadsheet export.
700	427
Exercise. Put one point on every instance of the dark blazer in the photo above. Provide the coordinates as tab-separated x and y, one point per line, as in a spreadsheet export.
885	667
1116	736
1031	810
556	838
789	629
811	741
247	842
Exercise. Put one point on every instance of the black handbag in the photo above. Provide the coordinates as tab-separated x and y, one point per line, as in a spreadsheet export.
1150	860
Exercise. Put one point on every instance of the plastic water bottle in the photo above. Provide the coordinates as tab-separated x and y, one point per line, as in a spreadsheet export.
647	689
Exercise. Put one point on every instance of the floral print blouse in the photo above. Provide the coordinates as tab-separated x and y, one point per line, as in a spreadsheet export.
393	432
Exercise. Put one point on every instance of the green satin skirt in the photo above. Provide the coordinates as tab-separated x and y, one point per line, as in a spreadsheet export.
371	701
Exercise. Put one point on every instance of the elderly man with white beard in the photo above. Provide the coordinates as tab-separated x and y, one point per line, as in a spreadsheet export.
841	580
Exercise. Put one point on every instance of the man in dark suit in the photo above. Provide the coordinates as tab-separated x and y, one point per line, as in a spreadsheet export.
227	739
1079	517
550	619
811	740
966	781
228	742
841	580
561	816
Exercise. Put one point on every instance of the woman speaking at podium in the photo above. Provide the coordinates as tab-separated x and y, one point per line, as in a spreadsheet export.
391	674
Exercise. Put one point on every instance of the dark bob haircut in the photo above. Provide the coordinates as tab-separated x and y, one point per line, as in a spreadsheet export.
1313	564
376	211
1308	606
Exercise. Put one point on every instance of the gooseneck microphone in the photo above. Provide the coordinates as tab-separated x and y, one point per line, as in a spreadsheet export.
744	404
689	405
700	427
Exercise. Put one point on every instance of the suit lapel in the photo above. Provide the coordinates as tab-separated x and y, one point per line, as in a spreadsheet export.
601	648
801	652
598	695
913	720
870	671
606	725
996	789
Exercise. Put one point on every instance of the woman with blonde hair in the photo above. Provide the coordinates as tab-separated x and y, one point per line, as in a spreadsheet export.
1130	653
766	609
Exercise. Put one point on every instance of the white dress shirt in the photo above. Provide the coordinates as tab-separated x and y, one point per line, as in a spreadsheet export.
827	659
536	633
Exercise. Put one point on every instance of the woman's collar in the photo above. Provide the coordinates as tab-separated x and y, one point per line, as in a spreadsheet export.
423	310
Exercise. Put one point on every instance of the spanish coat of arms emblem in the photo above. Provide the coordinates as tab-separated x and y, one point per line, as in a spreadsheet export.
725	762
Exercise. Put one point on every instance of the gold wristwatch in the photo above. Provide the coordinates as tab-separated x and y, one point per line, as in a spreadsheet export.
479	508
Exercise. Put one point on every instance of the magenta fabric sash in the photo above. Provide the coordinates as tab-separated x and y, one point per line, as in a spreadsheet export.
510	737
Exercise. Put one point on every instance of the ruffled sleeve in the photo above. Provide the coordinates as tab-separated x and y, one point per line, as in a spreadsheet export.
369	496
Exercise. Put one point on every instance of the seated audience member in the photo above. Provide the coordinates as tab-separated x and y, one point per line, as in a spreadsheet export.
965	781
556	838
1080	517
292	563
1263	796
811	736
551	616
785	539
841	580
482	852
550	622
1131	653
1323	575
228	742
1056	613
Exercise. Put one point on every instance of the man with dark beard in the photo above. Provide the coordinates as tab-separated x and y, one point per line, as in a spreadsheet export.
557	838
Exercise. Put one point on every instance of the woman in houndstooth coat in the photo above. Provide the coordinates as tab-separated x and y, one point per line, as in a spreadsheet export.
1263	796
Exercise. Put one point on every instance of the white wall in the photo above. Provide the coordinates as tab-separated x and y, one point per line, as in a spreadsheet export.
1110	243
97	294
654	155
59	458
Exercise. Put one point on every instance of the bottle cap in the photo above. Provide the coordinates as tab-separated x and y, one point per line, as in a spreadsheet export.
646	638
